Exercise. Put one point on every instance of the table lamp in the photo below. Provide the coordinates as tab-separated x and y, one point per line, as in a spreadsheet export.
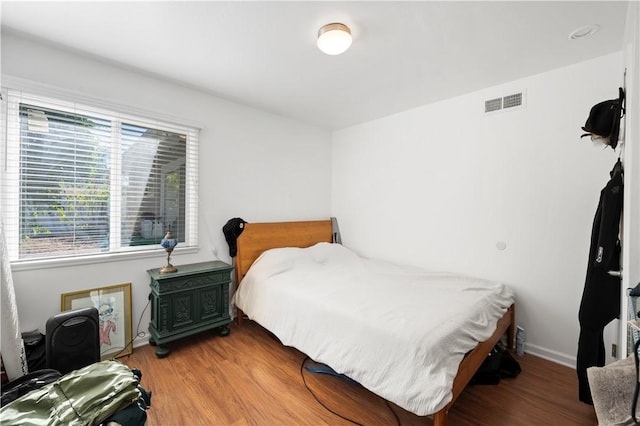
168	243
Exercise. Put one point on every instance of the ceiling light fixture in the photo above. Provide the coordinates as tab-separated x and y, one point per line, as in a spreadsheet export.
585	31
334	39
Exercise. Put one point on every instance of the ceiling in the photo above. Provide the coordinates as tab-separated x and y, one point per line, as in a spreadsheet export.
263	54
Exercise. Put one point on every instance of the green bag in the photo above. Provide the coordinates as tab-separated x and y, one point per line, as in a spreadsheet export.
87	396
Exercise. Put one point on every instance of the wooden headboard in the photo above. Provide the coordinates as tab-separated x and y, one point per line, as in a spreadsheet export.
258	237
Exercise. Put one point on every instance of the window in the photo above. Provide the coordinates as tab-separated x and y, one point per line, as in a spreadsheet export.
80	181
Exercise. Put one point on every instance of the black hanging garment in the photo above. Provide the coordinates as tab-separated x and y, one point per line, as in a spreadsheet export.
601	296
232	230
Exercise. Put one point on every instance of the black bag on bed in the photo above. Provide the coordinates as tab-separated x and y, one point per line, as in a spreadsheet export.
497	365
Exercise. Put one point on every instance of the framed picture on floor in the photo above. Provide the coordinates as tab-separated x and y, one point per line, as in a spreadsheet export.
114	310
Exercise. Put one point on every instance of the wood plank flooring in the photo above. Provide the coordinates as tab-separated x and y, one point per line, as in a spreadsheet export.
250	378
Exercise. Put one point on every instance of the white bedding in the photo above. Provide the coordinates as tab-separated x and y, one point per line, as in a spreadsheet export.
399	331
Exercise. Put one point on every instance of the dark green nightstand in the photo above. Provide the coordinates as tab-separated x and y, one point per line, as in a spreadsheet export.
186	302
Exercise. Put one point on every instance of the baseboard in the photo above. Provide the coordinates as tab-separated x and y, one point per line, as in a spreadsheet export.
140	342
551	355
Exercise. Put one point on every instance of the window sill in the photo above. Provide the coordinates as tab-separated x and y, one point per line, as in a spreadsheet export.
26	265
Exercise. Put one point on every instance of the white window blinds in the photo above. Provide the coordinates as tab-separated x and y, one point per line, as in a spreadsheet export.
79	180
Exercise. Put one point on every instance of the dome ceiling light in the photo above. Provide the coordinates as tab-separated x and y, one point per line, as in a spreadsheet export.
334	39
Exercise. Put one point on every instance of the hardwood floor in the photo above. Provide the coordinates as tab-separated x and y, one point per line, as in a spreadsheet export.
249	378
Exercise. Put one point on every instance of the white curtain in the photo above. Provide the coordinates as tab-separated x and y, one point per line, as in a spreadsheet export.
12	350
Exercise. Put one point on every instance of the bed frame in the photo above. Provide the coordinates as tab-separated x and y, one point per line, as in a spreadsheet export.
258	237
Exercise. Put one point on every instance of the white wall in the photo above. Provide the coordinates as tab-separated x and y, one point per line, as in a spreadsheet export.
254	165
631	236
437	186
440	185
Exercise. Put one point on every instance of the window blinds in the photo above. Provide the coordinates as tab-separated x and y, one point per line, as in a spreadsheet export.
80	180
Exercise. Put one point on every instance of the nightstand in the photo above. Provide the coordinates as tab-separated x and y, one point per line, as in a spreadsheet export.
189	301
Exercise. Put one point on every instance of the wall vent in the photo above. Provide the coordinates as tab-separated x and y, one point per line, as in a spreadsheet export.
512	100
493	105
505	102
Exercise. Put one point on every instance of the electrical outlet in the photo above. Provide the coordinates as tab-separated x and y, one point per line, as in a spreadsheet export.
614	350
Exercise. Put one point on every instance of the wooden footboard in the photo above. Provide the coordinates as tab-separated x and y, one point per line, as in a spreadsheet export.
474	359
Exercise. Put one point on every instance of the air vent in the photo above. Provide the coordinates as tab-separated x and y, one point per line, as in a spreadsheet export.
506	102
512	100
493	105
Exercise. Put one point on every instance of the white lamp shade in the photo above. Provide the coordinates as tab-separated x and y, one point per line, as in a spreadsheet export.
334	39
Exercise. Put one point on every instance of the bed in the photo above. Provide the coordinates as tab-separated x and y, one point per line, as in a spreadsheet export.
413	337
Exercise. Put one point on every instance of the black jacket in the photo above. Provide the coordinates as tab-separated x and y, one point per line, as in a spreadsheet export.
601	296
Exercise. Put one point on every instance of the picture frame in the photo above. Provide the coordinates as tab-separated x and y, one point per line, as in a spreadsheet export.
114	312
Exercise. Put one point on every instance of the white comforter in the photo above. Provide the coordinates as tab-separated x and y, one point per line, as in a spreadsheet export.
401	332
